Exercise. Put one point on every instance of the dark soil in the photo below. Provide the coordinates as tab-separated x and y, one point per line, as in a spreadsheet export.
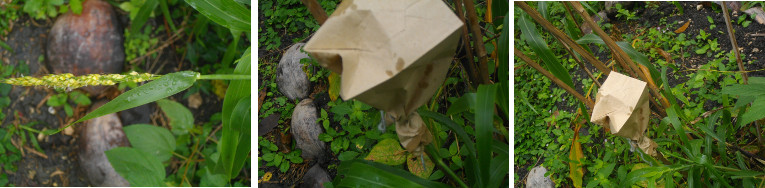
58	164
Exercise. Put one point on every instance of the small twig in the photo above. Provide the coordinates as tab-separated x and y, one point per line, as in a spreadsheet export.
30	150
477	44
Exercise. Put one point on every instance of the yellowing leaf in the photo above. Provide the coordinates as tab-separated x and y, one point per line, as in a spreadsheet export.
414	163
682	28
576	172
219	88
334	86
387	151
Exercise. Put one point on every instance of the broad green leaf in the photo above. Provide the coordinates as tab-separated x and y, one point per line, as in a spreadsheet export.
76	6
484	127
210	179
347	155
387	151
235	144
355	173
464	103
142	16
227	13
463	136
745	90
181	119
158	89
499	8
241	114
499	164
151	139
334	85
4	45
576	170
542	9
535	41
504	63
415	166
79	98
139	168
757	111
231	49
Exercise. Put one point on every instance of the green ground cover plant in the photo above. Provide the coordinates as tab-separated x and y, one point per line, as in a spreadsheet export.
700	120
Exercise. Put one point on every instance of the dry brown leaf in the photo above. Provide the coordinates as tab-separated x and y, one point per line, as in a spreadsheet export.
684	27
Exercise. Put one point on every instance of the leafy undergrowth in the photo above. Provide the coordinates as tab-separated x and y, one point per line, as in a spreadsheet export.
709	134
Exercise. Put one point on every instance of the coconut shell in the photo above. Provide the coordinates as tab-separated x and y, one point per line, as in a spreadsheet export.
89	43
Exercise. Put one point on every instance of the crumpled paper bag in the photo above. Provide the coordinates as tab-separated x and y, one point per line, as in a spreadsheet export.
622	105
392	55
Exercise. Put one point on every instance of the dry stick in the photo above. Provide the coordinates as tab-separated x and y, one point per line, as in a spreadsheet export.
619	54
316	10
733	42
477	43
740	64
471	69
615	50
560	35
560	83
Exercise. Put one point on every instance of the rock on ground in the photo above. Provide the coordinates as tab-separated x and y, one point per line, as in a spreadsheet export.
96	136
290	78
537	178
315	178
306	131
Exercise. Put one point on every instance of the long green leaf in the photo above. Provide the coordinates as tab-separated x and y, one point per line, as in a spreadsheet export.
499	164
452	126
143	15
358	173
160	88
745	90
484	126
535	41
139	168
235	144
227	13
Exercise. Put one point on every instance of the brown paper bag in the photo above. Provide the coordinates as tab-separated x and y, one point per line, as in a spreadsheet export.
622	104
392	55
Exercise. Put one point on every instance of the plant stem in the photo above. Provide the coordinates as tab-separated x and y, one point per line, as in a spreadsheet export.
436	158
224	77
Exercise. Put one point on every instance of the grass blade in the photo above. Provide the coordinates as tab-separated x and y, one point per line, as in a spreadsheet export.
160	88
227	13
143	15
535	41
484	126
357	173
